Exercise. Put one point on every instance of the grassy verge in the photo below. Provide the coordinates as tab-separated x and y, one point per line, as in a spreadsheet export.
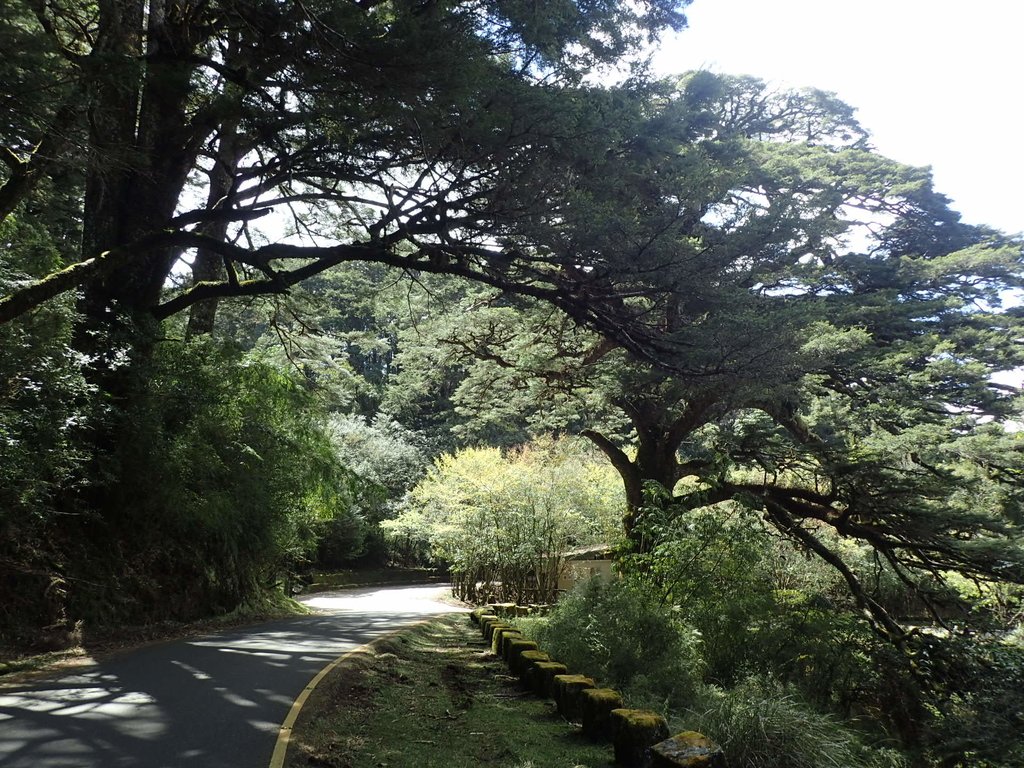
433	697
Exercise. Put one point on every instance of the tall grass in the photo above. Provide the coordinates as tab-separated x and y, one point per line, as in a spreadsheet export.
763	724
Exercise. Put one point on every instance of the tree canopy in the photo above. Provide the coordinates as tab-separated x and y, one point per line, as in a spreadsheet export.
720	284
826	354
416	134
262	262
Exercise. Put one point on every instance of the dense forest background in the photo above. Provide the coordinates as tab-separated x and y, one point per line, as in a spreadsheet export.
323	284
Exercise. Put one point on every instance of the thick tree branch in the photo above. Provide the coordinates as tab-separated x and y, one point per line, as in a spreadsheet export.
928	550
626	468
696	414
786	416
278	282
28	298
220	214
877	616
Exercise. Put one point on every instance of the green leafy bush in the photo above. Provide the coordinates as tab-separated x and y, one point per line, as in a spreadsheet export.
621	634
761	606
211	478
46	406
223	478
387	460
976	717
504	520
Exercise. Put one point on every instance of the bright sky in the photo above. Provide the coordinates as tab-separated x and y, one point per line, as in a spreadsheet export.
936	82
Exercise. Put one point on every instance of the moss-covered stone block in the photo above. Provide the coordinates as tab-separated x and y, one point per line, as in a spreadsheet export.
688	749
489	621
502	609
507	637
513	649
487	618
542	677
634	732
499	633
527	660
476	613
567	695
509	633
596	705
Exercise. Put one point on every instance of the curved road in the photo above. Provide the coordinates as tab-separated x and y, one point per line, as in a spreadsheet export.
207	702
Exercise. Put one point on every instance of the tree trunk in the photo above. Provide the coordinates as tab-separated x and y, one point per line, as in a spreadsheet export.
143	146
115	81
661	427
655	462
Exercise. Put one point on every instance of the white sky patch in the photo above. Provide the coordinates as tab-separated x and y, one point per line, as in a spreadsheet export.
1014	378
936	82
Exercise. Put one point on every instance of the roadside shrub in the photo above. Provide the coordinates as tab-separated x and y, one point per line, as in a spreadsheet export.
762	607
386	460
503	520
978	690
220	482
531	626
46	406
618	633
763	724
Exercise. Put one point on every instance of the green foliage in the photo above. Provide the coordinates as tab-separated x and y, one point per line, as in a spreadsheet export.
218	481
764	607
762	724
825	329
338	330
46	408
381	452
435	384
995	605
825	341
505	369
231	474
385	460
765	611
45	404
975	715
503	521
621	634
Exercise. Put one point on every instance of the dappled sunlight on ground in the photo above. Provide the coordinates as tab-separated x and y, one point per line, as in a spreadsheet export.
212	701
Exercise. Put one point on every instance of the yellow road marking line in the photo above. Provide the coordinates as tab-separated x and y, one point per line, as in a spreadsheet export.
284	735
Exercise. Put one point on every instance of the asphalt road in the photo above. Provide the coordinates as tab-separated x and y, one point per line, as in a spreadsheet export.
211	701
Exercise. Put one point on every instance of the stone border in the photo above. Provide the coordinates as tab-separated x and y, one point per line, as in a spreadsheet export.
640	738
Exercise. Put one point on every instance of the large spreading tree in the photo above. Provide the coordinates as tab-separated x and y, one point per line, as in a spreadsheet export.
770	293
140	138
829	355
